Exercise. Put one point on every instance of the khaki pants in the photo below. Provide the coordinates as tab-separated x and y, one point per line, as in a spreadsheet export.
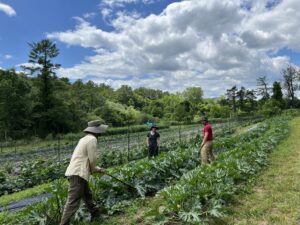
207	154
78	189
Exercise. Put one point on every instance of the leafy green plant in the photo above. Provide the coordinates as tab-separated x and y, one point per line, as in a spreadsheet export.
201	193
150	176
147	176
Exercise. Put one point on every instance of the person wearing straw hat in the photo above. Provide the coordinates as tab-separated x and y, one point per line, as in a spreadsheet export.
153	141
206	148
82	165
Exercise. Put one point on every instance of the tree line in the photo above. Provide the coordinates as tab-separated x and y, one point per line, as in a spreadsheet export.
37	102
266	99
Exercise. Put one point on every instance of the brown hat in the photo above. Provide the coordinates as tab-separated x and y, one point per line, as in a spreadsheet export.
96	127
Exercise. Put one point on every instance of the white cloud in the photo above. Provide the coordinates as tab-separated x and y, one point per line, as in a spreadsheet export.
106	12
7	56
84	35
110	8
7	9
122	3
276	28
89	15
213	44
27	64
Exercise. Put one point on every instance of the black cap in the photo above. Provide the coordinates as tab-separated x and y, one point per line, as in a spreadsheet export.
153	126
204	119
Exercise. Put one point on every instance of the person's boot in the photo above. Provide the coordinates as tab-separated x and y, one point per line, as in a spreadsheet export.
99	214
96	216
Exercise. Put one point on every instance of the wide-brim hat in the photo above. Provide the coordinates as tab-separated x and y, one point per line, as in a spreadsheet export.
95	127
153	126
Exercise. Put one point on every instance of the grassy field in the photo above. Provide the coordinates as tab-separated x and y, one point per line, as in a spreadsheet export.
275	196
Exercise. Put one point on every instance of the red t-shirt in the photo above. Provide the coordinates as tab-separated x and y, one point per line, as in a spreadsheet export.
208	128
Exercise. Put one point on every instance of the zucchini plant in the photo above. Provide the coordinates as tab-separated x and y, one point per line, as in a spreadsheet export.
201	193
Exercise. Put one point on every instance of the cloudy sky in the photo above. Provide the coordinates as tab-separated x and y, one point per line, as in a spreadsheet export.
163	44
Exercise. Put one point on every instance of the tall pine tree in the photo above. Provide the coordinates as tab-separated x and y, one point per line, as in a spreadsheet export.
41	65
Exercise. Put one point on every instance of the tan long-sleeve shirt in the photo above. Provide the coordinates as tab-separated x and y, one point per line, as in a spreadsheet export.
84	158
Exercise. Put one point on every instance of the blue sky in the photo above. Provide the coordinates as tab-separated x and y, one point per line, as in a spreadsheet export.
163	44
35	18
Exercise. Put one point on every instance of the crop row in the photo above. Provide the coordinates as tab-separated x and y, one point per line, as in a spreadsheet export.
63	146
200	194
21	147
148	177
21	175
26	144
37	171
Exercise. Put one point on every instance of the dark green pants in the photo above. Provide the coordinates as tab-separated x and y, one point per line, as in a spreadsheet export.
78	189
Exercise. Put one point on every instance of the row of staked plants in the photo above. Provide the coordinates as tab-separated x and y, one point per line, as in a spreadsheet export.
63	145
147	176
37	171
29	173
50	142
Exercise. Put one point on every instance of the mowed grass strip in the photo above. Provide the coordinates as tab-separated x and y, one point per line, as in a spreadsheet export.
276	195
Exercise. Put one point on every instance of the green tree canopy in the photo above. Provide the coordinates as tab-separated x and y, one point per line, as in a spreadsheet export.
290	78
194	95
231	97
183	112
263	88
49	110
15	104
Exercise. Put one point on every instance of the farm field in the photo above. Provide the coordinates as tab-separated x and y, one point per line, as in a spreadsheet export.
198	198
150	112
25	172
159	176
122	140
23	148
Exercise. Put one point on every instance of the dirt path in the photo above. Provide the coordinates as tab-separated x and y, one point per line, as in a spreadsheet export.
275	197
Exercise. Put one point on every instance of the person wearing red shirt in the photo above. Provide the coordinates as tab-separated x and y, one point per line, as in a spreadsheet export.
206	148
